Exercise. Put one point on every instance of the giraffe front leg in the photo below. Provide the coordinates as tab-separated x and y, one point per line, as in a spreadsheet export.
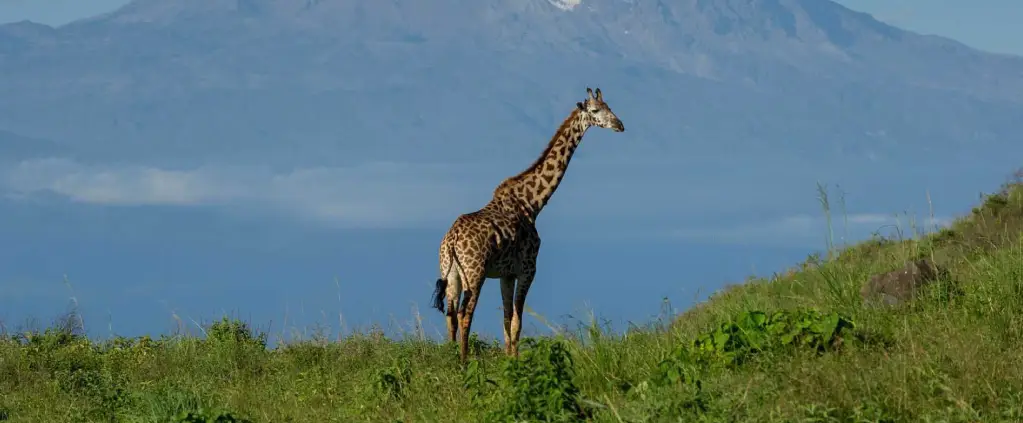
507	297
520	302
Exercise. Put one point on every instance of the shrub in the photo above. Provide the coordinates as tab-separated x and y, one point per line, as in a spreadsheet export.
539	385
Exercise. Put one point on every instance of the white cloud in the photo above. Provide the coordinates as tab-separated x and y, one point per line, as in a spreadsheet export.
396	194
803	230
119	186
377	194
640	198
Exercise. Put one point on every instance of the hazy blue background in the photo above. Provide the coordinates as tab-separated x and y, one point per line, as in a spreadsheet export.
300	160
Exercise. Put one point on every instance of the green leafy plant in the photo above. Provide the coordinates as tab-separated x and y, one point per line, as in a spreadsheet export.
236	332
681	379
392	382
476	382
752	332
732	341
78	368
539	385
809	328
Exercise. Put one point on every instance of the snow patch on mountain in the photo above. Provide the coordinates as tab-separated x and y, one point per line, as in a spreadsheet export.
565	4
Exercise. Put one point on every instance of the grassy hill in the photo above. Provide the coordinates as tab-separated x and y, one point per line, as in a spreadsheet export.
797	347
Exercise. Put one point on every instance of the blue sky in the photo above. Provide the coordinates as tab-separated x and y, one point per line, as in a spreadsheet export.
147	248
991	25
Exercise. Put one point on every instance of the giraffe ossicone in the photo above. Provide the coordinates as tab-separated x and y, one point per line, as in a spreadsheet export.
500	240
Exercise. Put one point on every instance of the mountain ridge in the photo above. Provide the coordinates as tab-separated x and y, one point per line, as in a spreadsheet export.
226	79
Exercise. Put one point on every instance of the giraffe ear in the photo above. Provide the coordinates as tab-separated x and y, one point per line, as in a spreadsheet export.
580	105
600	96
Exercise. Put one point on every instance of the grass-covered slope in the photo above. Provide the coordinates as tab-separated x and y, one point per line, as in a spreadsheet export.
800	346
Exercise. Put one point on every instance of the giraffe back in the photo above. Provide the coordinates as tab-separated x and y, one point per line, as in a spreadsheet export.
497	238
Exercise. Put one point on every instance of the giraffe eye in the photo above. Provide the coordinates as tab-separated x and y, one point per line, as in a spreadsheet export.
594	110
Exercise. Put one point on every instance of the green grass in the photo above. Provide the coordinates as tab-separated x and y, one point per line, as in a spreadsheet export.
796	347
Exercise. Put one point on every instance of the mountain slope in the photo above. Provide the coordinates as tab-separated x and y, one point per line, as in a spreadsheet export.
335	81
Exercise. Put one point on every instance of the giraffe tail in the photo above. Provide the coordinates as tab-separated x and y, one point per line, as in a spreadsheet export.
438	294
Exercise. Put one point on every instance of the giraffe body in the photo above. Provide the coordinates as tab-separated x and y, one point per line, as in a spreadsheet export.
500	240
493	243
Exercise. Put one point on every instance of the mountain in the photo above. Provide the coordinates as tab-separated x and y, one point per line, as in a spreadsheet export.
343	81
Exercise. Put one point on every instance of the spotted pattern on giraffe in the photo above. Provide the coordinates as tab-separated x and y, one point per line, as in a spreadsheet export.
500	240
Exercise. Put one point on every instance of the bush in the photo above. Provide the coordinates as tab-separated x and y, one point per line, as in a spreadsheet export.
539	386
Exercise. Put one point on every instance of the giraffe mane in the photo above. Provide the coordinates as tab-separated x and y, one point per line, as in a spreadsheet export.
550	145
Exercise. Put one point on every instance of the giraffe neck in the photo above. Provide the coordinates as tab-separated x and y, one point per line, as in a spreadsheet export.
533	187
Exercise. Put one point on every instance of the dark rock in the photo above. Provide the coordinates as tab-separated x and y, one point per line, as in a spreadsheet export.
901	285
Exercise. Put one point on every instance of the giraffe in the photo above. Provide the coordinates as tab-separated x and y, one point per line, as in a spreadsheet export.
500	240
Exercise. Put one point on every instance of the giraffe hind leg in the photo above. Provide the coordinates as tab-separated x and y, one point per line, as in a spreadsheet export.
452	319
453	291
461	308
439	294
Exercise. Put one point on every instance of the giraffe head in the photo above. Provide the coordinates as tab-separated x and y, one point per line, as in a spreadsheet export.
597	113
